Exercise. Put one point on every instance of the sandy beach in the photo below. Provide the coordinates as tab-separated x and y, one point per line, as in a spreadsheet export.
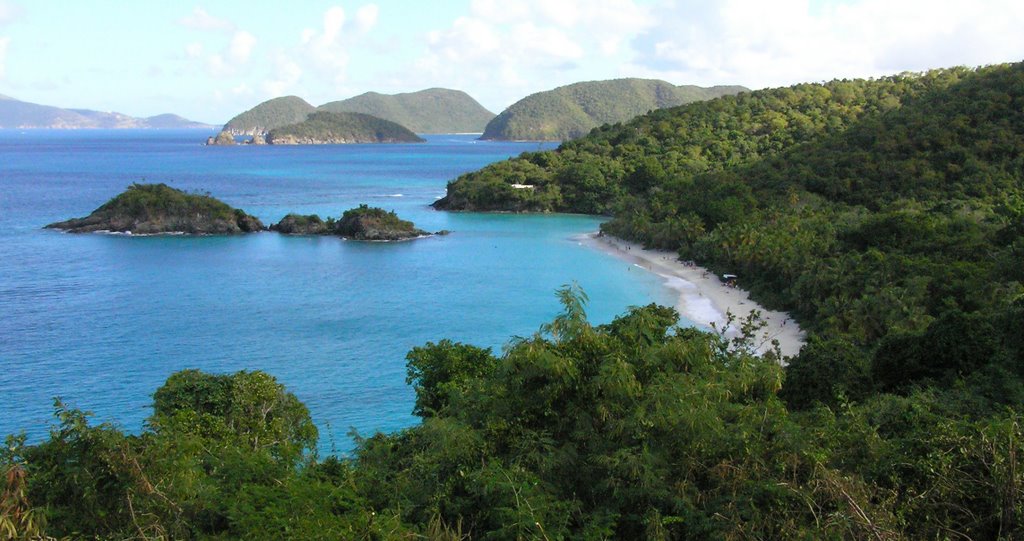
703	297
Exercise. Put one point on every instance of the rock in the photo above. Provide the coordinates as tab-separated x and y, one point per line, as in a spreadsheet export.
295	224
223	138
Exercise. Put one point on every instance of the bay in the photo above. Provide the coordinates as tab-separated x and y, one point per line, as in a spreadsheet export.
102	320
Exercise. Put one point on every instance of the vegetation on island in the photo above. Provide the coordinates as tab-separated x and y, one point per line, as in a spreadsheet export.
571	111
274	113
149	209
361	223
340	128
434	110
637	429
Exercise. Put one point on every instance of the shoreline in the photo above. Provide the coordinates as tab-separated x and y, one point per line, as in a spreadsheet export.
703	298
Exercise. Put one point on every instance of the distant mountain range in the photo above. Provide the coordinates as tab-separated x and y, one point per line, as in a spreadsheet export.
434	110
571	111
22	114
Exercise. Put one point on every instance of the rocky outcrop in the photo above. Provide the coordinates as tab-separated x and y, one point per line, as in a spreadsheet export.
295	224
361	223
153	209
375	224
222	139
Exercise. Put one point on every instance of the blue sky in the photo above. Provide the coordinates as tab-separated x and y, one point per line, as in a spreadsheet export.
209	60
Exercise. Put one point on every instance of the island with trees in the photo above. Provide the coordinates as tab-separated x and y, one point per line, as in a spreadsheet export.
434	110
273	113
152	209
324	128
360	223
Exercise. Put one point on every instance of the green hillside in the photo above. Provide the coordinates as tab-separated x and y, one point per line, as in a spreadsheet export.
270	114
338	128
572	111
434	110
872	209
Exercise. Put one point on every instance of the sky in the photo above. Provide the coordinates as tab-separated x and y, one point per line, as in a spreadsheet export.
211	59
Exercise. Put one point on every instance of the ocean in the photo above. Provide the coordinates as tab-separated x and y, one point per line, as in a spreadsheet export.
102	320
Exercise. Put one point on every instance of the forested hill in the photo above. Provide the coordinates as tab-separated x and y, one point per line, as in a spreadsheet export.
323	128
274	113
571	111
879	211
434	110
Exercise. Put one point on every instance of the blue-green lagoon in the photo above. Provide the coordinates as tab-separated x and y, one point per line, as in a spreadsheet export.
102	320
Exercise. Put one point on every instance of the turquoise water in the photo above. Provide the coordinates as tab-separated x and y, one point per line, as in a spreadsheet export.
102	320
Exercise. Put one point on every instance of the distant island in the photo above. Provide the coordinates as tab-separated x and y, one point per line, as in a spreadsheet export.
271	114
569	112
361	223
17	114
152	209
323	128
434	110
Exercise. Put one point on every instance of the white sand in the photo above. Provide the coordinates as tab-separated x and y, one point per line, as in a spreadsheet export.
703	298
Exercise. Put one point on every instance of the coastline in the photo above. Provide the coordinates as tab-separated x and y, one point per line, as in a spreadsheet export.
703	298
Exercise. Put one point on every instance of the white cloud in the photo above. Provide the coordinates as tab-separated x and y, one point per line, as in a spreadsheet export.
4	42
199	19
218	57
242	44
760	44
194	50
286	74
326	51
512	48
366	18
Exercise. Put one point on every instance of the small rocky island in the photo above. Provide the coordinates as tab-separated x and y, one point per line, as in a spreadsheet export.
153	209
361	223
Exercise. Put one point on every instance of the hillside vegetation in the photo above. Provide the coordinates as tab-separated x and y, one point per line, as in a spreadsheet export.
271	114
434	110
883	213
571	111
631	430
338	128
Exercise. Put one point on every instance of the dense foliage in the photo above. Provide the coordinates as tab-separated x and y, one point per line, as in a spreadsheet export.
884	213
568	112
158	208
632	430
323	127
274	113
434	110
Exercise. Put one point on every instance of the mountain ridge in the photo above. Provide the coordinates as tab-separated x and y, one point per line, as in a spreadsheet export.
571	111
432	110
17	114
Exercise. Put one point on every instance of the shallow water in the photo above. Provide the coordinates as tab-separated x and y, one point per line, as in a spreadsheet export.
102	320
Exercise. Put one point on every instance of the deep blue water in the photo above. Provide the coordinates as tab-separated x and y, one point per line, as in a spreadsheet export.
102	320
